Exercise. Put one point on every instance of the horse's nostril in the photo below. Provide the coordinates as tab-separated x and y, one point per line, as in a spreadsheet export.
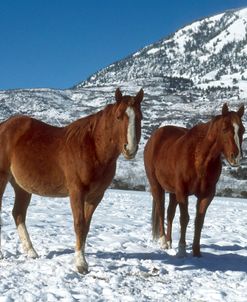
234	159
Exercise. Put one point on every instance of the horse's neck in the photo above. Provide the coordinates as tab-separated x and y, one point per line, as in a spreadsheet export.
104	135
96	130
207	149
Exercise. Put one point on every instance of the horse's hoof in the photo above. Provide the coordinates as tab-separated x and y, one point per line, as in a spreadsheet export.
165	245
82	270
196	252
32	254
181	254
181	251
169	245
81	263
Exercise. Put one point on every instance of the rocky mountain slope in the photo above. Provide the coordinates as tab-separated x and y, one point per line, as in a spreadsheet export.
186	78
212	50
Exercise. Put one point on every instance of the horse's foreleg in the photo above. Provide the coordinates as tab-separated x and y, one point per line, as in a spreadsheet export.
171	210
77	206
89	208
22	200
201	208
184	220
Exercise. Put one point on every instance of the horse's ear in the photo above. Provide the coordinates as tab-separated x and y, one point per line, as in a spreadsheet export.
241	111
225	109
118	95
139	96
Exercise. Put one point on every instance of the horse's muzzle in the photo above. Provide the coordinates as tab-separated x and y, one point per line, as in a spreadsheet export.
129	154
234	161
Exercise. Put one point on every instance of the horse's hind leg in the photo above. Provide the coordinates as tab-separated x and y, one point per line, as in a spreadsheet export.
158	213
3	182
171	210
22	200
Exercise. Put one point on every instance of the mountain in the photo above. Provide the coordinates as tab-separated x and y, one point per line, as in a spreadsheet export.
212	50
186	78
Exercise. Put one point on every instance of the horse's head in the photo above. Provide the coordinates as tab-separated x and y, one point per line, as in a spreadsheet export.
231	132
128	115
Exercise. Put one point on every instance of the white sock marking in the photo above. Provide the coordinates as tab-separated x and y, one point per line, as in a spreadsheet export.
25	240
164	244
80	261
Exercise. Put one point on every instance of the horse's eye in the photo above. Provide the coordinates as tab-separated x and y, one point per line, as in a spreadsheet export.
242	130
226	127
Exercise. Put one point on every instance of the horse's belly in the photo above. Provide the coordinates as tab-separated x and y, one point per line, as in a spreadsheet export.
44	184
166	180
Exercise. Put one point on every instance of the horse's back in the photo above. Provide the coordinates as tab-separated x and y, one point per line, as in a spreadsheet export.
18	125
24	131
10	132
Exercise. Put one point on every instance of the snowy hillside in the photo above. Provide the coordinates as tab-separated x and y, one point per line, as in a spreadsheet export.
210	50
186	78
124	263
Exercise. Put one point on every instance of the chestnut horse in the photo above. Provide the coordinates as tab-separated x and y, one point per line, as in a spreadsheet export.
78	161
187	162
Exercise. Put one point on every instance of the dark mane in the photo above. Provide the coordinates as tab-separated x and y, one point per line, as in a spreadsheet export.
78	129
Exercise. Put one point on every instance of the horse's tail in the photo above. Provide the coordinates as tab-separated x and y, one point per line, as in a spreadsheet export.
157	210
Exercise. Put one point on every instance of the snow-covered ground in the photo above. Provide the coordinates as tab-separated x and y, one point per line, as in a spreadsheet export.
125	264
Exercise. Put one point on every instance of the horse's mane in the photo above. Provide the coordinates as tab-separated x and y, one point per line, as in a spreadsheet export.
85	125
201	129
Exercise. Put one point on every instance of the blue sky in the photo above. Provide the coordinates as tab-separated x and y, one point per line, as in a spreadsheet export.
58	43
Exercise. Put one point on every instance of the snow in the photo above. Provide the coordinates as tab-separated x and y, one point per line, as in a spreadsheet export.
242	13
153	51
235	32
136	54
124	263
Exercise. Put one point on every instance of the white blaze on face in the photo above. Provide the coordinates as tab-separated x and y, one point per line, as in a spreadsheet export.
131	133
236	138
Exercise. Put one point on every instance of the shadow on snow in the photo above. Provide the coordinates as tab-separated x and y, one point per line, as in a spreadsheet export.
228	261
209	261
